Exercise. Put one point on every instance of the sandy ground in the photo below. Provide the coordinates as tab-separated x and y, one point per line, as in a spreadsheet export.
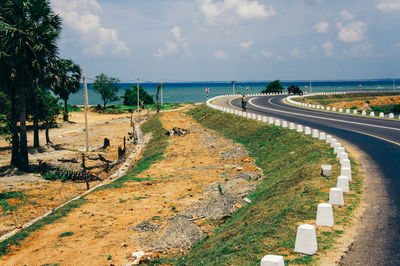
101	229
70	140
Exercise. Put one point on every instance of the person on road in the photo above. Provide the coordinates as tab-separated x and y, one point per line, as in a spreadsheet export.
244	102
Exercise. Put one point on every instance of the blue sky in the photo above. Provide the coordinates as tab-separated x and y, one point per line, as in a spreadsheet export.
232	39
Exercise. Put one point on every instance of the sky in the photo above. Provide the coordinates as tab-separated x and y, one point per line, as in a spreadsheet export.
223	40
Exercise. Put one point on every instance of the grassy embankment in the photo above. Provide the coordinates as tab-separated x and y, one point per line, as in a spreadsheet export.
352	97
153	151
287	197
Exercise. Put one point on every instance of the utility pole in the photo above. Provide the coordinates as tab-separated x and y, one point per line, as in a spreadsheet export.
85	98
138	111
394	84
310	87
233	87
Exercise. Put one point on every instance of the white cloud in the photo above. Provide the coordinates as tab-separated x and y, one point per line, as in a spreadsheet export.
79	15
328	48
246	45
363	48
296	52
346	15
396	44
321	27
352	32
266	54
175	45
313	49
220	54
229	11
389	6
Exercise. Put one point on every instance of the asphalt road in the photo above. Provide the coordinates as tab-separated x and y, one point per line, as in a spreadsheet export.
378	243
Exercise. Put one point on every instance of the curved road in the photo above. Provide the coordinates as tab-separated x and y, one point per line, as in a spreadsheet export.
378	243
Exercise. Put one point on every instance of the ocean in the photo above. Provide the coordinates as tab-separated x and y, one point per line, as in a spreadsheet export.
191	92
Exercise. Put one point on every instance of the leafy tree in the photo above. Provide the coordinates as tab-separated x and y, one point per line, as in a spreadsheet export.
50	110
28	34
65	78
273	86
130	96
107	87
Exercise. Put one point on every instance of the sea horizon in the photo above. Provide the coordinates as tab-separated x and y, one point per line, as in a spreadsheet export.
194	91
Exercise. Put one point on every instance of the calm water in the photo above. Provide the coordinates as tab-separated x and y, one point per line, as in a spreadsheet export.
195	91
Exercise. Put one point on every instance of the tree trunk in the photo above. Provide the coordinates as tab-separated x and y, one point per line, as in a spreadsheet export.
48	141
35	118
14	130
35	132
65	116
105	104
23	155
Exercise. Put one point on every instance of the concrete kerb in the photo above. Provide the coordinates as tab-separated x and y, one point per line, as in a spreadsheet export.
335	195
142	141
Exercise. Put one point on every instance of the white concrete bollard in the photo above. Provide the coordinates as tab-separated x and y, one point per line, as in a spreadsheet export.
259	117
236	112
323	107
391	115
322	135
341	110
347	111
328	139
324	215
334	109
326	169
336	146
363	113
333	141
355	112
253	116
265	119
270	120
291	126
336	196
338	151
315	133
306	240
244	114
284	124
272	260
346	171
328	108
343	156
277	122
345	163
372	114
381	114
299	128
307	131
343	183
240	113
248	115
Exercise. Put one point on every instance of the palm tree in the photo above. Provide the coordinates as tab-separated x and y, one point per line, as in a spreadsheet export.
28	34
68	76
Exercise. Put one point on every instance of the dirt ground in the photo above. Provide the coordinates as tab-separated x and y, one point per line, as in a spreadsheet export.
363	105
69	140
202	179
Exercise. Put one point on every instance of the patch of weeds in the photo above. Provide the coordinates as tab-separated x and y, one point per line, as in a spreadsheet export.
66	234
156	218
220	189
109	257
4	196
122	200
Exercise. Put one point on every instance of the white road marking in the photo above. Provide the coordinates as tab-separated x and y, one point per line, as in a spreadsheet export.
324	118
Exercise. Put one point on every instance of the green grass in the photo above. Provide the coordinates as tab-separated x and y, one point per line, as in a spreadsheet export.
288	196
390	108
66	234
6	207
153	153
16	239
74	108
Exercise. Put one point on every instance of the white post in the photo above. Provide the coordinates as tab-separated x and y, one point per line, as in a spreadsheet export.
85	98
